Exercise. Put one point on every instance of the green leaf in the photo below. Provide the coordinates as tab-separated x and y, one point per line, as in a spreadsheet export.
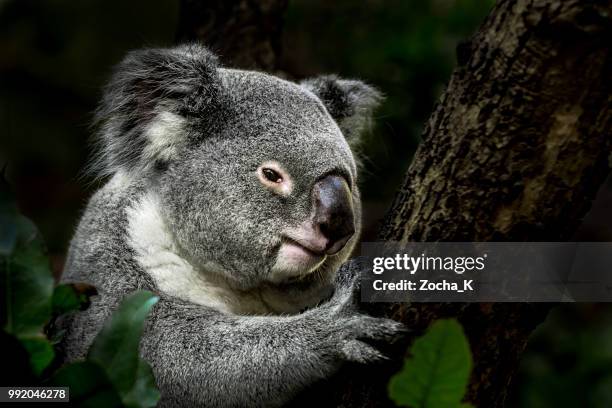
40	351
437	373
71	297
26	283
89	385
144	393
116	350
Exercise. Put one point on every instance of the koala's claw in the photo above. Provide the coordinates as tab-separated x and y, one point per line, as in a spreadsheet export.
377	328
355	330
360	352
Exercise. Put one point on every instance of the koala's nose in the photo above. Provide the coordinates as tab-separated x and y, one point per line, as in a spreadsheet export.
334	216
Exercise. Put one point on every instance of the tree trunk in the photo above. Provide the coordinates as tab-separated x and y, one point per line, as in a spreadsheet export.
244	33
515	150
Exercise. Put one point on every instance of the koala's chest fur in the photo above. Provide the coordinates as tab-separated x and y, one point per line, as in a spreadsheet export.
157	253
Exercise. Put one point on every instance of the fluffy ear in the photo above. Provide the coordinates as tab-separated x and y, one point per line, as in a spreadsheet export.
349	102
147	102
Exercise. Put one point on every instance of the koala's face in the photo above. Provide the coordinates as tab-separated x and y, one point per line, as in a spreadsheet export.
256	180
270	194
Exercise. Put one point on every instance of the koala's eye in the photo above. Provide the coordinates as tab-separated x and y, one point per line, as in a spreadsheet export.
271	175
275	178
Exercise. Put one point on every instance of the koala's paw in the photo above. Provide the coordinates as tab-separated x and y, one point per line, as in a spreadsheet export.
357	330
354	330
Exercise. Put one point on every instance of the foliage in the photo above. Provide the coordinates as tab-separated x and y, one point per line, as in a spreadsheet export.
116	349
437	373
113	374
26	284
71	297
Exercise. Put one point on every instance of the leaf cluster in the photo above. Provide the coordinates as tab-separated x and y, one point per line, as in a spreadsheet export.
112	374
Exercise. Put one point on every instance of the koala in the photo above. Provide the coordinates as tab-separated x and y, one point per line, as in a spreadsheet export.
233	196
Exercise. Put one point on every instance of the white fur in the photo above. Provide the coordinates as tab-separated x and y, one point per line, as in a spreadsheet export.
158	254
119	181
164	133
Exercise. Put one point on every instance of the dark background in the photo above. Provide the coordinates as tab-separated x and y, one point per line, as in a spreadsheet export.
56	54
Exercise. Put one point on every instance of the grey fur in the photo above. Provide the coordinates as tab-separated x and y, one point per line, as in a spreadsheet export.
177	127
349	102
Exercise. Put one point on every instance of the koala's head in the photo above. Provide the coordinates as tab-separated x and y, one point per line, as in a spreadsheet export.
254	174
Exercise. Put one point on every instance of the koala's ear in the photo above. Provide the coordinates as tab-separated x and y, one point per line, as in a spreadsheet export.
147	103
350	102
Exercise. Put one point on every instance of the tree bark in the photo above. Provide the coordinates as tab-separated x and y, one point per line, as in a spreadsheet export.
515	150
243	33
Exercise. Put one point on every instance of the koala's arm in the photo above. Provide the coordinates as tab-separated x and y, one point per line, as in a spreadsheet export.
201	357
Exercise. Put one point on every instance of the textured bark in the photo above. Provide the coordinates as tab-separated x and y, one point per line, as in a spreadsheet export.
244	33
515	150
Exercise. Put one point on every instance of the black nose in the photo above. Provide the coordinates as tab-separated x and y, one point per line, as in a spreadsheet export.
334	212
